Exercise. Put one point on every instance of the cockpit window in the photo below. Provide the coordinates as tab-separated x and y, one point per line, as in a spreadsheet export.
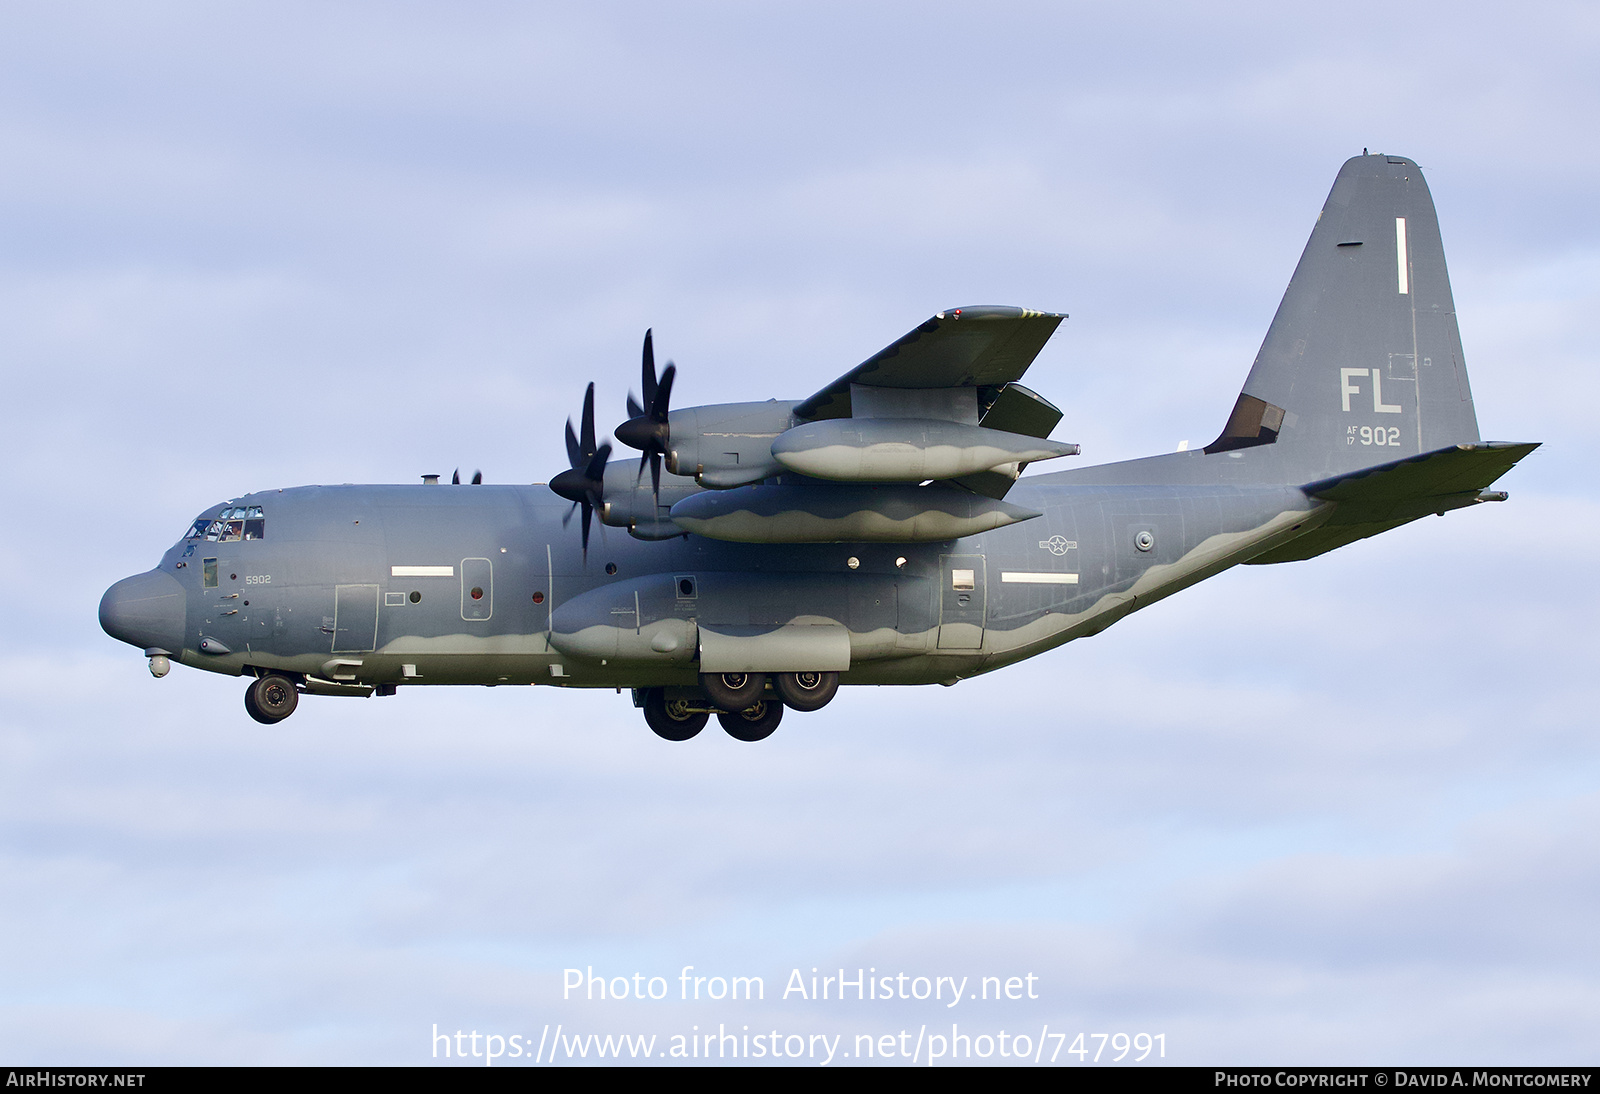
234	523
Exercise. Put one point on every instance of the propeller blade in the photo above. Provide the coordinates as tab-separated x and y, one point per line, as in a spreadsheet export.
647	370
655	477
634	409
477	478
587	511
595	472
575	454
455	479
663	395
587	423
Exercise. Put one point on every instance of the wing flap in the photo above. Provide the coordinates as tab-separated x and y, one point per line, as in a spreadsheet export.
1020	410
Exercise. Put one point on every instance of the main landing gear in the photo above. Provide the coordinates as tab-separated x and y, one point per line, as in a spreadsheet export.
740	700
806	691
755	722
733	690
673	719
271	699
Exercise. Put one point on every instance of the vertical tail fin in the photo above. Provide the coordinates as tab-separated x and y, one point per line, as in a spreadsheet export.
1362	364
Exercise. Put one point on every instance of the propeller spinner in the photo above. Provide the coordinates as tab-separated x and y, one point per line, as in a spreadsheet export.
583	483
646	428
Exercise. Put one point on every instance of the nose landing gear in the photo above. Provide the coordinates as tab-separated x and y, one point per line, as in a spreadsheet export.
271	699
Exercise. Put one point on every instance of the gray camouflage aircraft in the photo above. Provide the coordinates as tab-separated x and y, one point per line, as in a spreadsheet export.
874	533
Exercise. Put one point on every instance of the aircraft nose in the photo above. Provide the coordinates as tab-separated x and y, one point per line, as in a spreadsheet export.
145	610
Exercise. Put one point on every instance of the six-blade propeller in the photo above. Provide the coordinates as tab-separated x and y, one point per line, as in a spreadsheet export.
646	428
583	483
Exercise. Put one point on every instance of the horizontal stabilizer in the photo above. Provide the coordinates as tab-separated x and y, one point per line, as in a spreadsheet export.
1379	498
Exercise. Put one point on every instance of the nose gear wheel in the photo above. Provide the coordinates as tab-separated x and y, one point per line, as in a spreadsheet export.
271	699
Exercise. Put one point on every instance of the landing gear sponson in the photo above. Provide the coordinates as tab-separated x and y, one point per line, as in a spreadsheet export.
740	700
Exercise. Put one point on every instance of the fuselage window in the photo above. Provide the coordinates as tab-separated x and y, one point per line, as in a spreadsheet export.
210	570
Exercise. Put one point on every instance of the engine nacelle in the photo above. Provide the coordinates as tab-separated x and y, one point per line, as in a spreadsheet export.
728	444
905	449
629	503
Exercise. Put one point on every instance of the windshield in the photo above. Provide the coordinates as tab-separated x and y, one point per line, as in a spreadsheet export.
235	522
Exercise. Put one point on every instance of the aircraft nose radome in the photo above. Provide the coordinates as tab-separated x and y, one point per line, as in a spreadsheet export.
146	610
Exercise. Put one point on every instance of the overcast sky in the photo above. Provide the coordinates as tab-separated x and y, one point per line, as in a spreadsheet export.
1339	811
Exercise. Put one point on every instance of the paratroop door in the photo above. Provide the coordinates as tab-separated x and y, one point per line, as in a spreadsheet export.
962	602
355	618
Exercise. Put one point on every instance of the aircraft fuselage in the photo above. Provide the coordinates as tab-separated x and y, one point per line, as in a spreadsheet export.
381	586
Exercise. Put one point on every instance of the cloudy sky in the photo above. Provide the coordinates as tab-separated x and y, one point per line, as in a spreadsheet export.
1341	811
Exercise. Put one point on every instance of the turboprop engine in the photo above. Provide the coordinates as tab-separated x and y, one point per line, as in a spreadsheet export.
914	456
727	444
906	450
640	505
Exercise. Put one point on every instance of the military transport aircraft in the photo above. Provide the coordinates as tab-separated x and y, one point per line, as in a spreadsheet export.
875	532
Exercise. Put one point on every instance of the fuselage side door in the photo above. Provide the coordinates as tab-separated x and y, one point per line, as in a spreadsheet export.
963	601
355	618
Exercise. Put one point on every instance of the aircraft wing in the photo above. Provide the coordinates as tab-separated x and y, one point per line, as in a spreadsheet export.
1376	499
983	347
